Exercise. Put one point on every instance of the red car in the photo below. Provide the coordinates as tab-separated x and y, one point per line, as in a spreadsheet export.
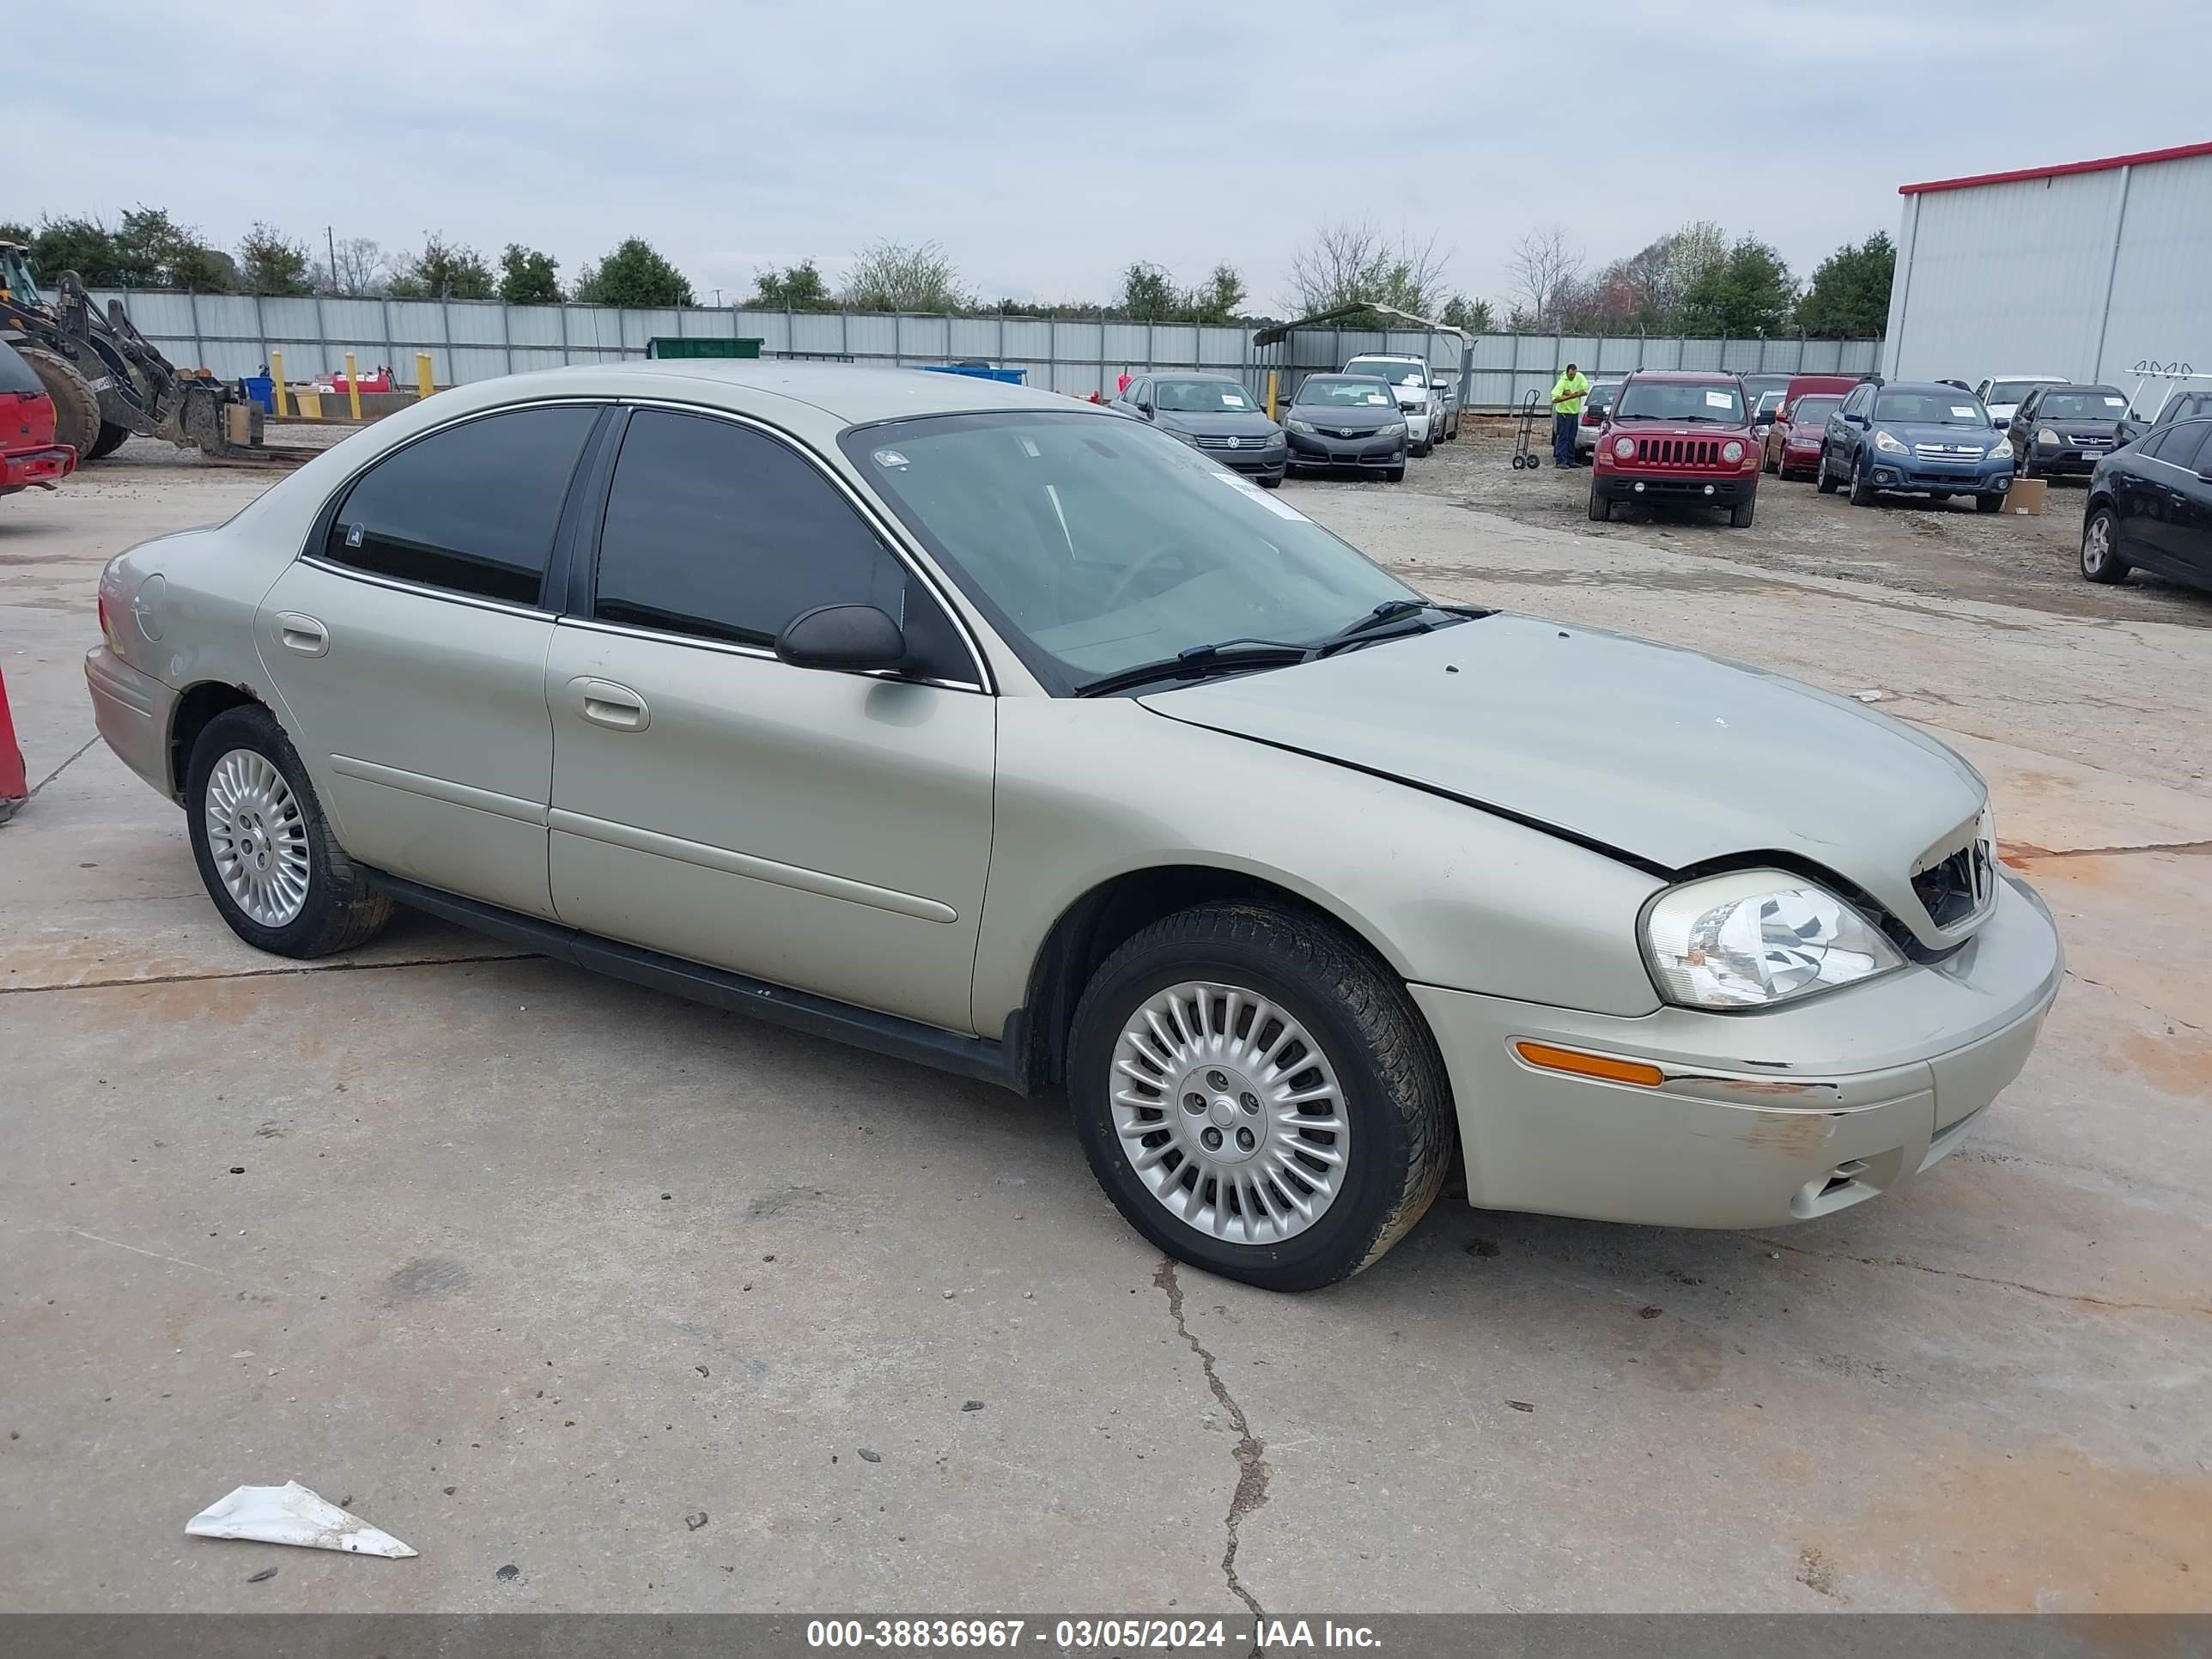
1678	438
29	454
1793	442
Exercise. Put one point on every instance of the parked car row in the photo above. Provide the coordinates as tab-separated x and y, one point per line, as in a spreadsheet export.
1365	420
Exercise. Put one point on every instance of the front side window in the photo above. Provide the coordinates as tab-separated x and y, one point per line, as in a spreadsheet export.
720	532
472	508
1667	400
2189	446
1097	545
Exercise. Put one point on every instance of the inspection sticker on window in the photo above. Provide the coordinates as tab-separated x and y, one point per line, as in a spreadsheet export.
1963	411
890	458
2116	403
1719	400
1274	504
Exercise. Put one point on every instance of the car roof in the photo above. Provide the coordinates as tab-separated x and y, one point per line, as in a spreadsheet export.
1387	357
1918	385
2048	379
1190	374
1686	376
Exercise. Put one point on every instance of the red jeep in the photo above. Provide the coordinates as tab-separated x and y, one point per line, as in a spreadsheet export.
1679	438
29	454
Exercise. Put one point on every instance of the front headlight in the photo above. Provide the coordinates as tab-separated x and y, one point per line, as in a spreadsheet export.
1731	451
1180	436
1756	938
2047	436
2003	452
1297	425
1395	429
1884	441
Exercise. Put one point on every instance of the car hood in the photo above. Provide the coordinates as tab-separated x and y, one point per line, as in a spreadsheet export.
1668	756
1360	417
1206	424
1636	429
1933	432
2082	428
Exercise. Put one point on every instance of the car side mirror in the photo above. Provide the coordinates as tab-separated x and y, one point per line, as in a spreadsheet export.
1144	410
848	636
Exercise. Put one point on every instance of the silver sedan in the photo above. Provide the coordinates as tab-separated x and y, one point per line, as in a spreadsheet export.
1007	735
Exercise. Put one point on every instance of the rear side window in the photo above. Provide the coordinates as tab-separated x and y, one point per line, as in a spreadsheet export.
721	532
472	508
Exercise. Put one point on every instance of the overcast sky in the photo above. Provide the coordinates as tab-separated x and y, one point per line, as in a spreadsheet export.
1048	144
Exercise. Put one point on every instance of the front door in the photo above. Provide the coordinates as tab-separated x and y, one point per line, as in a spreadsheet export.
408	649
824	831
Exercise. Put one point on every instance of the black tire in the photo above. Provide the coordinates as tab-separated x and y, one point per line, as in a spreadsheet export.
1600	509
2026	467
340	909
1940	497
1989	503
1861	485
1825	481
76	405
1396	475
1740	515
1768	465
109	439
1275	483
1395	1099
2112	568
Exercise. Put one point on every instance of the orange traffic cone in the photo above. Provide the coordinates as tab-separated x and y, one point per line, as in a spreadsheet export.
13	788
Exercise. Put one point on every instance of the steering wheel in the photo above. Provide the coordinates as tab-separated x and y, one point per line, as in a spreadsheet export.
1157	556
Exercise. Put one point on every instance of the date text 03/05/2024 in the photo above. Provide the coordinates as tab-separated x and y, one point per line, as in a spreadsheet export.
1083	1635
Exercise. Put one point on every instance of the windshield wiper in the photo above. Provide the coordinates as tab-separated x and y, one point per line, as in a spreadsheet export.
1200	662
1388	612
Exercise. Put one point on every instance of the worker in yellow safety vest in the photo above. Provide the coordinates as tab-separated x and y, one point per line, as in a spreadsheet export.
1567	394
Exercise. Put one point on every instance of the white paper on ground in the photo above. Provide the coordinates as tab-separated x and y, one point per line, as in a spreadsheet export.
290	1514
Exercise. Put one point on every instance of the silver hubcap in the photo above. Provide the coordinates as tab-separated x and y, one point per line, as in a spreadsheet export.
1230	1113
257	837
2096	544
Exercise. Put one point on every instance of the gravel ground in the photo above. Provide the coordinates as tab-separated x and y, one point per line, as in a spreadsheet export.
1907	545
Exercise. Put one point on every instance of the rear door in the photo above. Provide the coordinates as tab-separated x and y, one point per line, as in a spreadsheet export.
2181	534
827	831
407	646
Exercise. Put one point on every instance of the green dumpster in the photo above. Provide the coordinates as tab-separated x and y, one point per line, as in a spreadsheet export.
662	345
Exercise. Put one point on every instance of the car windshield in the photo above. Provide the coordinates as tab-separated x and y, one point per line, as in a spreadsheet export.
1673	400
1098	545
1814	409
2095	403
1352	393
1938	406
1398	374
2011	392
1201	398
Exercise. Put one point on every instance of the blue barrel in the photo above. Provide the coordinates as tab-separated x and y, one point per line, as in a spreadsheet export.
978	372
261	389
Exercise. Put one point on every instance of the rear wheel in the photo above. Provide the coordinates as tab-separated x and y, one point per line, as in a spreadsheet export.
2100	558
1257	1096
264	848
1826	482
76	405
109	440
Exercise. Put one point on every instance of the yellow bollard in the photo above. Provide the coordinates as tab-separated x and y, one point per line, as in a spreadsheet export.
276	373
1271	394
423	386
352	387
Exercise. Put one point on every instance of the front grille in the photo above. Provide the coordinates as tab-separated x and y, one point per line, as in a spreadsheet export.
1949	452
1956	890
1240	442
2093	443
1679	452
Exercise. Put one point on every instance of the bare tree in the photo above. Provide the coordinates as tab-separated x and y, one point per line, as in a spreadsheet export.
363	269
1547	266
1348	265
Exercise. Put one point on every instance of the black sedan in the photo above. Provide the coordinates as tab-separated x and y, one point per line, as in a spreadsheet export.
1211	412
2063	431
1346	421
2151	505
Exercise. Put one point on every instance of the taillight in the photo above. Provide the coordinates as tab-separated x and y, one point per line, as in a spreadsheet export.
1592	418
105	632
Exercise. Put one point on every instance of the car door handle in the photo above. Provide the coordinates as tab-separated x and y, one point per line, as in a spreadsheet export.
303	633
615	707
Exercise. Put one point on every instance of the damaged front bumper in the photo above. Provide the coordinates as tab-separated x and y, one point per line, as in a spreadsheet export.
1759	1118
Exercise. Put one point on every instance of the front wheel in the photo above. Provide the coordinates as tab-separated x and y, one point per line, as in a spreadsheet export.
1740	515
2100	556
1396	475
1600	509
264	850
1862	486
1257	1096
1275	483
1989	503
1825	482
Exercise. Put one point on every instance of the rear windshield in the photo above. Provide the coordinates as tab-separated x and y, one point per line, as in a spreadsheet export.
1601	396
1664	400
1768	401
15	375
2095	403
1814	409
2011	392
1941	407
1200	398
1396	373
1347	393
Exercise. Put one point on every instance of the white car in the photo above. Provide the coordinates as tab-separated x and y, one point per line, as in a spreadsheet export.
1408	379
2001	394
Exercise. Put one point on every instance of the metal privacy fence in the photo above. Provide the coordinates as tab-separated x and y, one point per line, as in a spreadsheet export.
478	340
